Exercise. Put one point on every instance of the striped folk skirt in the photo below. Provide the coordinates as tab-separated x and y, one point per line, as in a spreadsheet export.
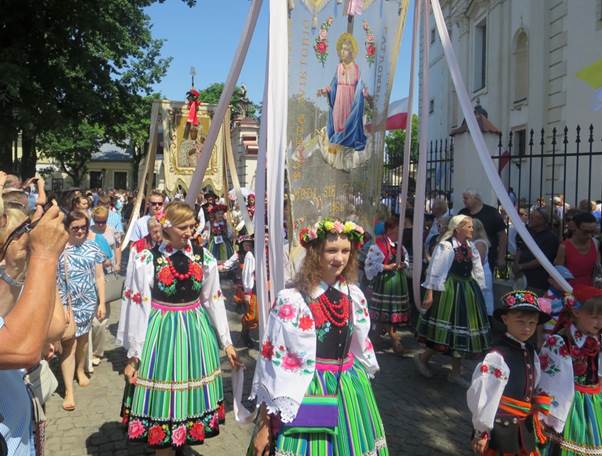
582	434
456	324
360	430
389	302
222	251
178	396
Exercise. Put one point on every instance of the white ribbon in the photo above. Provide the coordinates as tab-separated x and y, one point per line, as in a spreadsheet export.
241	414
419	200
479	141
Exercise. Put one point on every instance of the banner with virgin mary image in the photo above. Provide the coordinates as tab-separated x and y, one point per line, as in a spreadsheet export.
342	59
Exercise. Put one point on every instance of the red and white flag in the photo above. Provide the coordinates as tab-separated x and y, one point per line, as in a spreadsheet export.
398	115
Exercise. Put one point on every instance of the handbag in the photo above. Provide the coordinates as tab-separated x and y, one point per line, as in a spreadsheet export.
318	413
42	381
71	328
113	286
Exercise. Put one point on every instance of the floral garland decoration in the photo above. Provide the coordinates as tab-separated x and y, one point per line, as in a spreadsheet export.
162	219
370	44
321	42
326	226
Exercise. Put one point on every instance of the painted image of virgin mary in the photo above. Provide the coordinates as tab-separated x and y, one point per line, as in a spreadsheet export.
345	96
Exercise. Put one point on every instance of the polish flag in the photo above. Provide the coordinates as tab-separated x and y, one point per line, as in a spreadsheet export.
398	115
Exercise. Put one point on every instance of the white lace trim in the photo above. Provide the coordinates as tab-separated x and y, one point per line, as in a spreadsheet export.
287	406
380	444
168	386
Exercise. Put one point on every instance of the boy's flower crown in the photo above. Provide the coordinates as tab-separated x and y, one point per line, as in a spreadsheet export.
326	226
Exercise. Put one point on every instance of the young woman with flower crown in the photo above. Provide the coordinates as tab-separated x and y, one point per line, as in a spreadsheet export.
173	320
312	380
571	367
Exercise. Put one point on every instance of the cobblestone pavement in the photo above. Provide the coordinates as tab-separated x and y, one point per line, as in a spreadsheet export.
421	417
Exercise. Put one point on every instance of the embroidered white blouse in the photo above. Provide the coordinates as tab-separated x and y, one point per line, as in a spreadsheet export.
375	260
248	269
286	364
441	262
557	376
489	380
136	299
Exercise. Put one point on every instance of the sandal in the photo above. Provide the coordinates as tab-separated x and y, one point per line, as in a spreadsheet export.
68	406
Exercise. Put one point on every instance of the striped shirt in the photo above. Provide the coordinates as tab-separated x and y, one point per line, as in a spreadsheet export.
15	412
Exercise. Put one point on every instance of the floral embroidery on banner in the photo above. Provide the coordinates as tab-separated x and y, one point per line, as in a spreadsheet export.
496	372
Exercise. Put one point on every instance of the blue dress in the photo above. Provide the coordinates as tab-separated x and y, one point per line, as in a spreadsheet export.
80	283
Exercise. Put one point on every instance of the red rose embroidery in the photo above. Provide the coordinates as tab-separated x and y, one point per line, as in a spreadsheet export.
484	368
135	429
287	312
544	361
563	351
497	373
214	423
127	293
178	435
291	361
137	297
156	435
370	50
267	349
197	272
221	412
197	431
306	323
166	277
321	47
552	341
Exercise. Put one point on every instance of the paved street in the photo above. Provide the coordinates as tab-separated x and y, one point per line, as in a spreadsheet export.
421	417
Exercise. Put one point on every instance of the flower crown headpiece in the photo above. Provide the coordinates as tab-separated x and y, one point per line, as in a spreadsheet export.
162	219
327	226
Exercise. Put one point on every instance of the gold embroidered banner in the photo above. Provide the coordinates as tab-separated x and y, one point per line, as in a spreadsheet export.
183	148
341	70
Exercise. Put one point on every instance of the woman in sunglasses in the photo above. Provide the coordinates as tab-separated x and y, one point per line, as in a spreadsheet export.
80	280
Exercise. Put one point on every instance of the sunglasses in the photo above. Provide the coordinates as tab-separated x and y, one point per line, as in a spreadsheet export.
154	203
75	229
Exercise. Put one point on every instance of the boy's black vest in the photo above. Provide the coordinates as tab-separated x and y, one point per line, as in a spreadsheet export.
511	434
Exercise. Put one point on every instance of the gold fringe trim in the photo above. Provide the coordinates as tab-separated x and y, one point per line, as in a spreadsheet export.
178	386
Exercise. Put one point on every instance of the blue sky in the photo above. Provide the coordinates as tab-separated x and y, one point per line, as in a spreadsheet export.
207	35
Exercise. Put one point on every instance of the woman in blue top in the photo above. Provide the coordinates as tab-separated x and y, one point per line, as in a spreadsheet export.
80	280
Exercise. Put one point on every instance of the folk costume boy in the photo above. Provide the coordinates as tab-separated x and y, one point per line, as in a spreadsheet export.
503	398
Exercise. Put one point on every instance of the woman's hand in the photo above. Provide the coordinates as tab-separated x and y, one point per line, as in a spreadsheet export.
479	445
101	312
233	358
131	372
427	302
262	441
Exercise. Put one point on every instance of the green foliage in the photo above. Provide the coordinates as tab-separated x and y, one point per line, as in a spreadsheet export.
67	61
72	147
395	141
240	103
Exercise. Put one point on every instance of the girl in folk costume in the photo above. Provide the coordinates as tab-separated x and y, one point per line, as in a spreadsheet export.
455	317
389	305
312	381
570	364
251	205
173	320
220	244
502	398
246	260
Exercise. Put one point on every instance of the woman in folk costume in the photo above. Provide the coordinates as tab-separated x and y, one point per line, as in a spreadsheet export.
312	380
173	320
503	397
389	305
220	243
455	317
245	260
570	365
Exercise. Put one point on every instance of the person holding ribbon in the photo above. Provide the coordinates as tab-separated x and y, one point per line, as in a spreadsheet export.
312	380
570	372
503	398
173	319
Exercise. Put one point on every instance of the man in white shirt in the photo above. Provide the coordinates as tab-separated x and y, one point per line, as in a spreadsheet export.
154	206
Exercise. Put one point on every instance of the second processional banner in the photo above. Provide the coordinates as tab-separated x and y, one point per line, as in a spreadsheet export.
342	58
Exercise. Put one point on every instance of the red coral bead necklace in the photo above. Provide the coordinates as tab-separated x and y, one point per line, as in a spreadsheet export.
179	275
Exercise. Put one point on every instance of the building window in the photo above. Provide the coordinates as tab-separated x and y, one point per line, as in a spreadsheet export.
433	36
120	180
520	68
480	55
431	106
95	179
520	142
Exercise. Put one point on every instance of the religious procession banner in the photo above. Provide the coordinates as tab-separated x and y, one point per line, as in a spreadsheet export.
183	146
342	59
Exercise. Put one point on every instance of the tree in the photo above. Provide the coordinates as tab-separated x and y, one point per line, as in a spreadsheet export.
64	61
395	141
72	147
241	105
